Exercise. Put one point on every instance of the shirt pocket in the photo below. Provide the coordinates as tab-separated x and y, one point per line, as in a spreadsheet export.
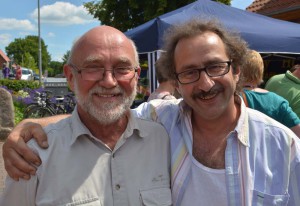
157	196
87	202
260	199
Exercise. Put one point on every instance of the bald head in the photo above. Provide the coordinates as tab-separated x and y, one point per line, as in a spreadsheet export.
102	37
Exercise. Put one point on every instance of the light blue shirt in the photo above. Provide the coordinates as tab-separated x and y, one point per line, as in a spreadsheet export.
262	157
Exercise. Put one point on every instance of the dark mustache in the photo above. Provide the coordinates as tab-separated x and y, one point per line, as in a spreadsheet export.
202	94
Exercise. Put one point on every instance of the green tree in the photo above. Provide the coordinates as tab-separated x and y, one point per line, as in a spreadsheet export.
55	67
29	44
127	14
66	57
29	62
227	2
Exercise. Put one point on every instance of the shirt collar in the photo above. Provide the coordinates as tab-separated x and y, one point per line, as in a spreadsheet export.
134	125
241	128
79	129
292	77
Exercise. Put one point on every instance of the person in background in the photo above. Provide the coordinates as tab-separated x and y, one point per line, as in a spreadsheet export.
101	154
5	71
18	72
262	100
288	86
166	87
222	153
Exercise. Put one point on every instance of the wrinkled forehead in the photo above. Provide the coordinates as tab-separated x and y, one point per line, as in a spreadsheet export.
104	46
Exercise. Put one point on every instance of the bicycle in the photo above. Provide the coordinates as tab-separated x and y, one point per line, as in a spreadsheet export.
44	105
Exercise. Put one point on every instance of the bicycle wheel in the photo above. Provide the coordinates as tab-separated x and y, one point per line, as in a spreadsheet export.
37	112
29	107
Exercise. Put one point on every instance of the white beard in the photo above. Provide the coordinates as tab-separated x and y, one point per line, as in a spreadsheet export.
107	112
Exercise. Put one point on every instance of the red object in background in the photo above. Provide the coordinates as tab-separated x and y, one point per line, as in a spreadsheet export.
18	73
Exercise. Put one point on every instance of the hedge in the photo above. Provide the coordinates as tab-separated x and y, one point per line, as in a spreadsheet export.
16	85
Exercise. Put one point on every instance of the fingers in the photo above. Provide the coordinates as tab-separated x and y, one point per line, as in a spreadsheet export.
18	157
14	163
39	134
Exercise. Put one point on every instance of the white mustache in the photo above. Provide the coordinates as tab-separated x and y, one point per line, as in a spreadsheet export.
101	90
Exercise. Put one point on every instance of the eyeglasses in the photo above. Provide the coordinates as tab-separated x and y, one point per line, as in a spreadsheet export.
96	74
213	70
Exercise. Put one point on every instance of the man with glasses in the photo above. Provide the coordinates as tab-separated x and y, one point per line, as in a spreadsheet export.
222	153
101	154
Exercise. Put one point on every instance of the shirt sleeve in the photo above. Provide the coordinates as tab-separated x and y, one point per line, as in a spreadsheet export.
289	117
20	192
294	181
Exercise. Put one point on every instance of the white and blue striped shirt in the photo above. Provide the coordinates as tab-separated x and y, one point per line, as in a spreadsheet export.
262	157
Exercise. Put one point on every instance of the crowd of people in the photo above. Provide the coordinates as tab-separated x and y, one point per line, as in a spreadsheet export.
206	147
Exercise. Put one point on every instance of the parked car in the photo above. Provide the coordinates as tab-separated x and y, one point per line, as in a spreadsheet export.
36	76
27	74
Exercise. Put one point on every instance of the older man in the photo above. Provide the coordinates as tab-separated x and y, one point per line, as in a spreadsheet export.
101	155
222	153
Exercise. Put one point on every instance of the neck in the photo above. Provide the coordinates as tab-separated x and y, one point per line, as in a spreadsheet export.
109	134
208	126
296	73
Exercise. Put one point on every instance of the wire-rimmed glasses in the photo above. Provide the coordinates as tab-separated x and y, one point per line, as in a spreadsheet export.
96	74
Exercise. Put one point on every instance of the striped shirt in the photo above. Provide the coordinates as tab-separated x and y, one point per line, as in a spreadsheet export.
262	157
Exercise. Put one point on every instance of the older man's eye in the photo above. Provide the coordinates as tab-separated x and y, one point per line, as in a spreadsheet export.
123	70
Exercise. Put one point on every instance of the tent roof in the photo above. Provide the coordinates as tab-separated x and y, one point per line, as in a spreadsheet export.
264	34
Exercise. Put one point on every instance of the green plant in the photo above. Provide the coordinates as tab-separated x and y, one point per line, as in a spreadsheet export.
16	85
19	111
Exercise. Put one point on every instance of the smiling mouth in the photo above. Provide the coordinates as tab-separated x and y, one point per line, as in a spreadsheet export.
106	95
206	95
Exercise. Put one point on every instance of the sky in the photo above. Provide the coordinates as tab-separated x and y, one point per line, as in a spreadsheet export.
62	22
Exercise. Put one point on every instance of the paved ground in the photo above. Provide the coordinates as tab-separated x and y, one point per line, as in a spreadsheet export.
2	170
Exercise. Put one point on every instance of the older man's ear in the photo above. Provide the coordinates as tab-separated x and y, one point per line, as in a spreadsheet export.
69	75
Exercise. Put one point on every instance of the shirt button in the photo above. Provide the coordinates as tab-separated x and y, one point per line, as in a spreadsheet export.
117	187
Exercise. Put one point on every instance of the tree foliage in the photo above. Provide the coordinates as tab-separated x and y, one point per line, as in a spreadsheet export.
127	14
55	67
29	44
29	62
66	57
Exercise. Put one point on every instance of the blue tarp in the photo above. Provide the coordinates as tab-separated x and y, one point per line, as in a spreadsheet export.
264	34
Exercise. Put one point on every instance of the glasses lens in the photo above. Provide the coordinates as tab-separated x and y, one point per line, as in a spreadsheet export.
123	73
218	69
188	76
91	74
95	74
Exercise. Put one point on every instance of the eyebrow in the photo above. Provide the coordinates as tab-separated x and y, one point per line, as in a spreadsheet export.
205	64
98	59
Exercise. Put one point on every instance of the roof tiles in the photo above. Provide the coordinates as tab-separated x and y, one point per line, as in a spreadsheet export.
267	6
4	56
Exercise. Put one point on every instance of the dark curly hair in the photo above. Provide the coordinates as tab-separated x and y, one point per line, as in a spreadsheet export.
235	46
